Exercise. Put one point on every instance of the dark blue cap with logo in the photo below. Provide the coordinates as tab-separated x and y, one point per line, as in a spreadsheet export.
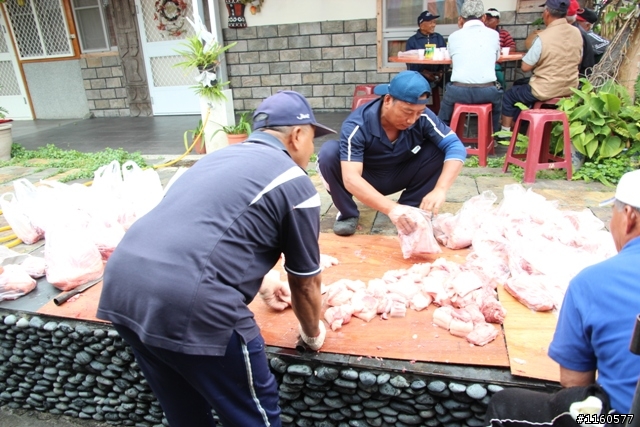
287	108
407	86
426	16
559	5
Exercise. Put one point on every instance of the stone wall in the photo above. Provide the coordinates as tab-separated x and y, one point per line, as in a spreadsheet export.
104	84
324	61
85	370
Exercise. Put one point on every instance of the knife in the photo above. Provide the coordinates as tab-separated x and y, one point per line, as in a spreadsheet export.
63	297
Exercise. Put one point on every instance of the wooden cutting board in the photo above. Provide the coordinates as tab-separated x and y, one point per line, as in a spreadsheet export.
528	334
413	337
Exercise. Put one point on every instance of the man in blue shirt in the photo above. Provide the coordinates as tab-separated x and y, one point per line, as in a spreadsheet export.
594	328
177	287
391	144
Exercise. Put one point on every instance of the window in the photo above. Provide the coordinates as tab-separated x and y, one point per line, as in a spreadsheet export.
92	29
399	22
39	28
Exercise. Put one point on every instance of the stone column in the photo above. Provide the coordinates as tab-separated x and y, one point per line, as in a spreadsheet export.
135	77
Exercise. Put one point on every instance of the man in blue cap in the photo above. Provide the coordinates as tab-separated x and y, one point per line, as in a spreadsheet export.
177	287
391	144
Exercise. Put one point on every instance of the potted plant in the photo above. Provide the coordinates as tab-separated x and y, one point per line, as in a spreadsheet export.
238	132
197	139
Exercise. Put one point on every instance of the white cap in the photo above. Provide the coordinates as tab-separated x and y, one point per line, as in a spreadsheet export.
628	190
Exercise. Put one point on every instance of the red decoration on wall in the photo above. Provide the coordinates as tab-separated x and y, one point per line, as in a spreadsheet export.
235	8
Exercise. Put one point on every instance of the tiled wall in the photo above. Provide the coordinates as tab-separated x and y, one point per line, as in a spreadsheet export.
104	84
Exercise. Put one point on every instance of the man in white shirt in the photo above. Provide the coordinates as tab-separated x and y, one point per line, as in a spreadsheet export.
474	51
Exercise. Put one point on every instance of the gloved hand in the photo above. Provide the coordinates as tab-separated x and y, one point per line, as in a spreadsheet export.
275	293
405	218
314	343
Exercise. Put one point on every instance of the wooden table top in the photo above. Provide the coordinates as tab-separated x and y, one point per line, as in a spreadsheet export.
515	56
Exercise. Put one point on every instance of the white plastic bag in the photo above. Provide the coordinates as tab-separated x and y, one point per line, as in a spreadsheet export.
14	282
141	192
71	256
421	240
16	215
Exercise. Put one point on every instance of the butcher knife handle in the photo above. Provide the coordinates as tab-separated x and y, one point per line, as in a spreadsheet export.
63	297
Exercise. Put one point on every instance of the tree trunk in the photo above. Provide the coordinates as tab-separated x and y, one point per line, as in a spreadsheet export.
630	66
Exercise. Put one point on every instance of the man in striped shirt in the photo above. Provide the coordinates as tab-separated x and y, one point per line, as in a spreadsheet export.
492	20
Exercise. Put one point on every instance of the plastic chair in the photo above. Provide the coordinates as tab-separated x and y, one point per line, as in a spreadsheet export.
363	90
538	156
548	104
363	99
484	141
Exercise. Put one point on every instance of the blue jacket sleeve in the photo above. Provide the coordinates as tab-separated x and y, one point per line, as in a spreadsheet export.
443	137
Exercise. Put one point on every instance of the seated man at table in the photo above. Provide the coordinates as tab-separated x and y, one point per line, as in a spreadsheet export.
474	50
587	18
554	58
492	20
391	144
589	338
426	35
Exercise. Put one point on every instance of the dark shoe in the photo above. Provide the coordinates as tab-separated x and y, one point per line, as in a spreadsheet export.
345	227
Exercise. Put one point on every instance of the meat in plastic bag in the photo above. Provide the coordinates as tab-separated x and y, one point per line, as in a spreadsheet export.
17	216
34	266
421	241
71	256
457	231
14	282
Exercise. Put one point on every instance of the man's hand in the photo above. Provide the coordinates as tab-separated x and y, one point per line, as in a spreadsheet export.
314	342
432	76
275	293
405	218
433	201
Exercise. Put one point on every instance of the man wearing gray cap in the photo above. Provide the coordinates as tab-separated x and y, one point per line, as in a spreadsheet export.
592	336
474	51
180	297
554	58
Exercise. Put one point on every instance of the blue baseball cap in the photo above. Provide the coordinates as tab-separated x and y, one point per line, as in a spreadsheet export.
287	108
407	86
559	5
426	16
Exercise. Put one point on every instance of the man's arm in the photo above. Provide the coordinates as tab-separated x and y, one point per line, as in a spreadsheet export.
434	200
533	56
362	190
306	301
571	378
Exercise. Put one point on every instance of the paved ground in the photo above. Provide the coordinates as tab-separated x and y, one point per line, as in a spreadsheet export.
161	139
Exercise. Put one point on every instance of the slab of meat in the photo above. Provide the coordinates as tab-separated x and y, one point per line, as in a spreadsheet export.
365	306
420	302
34	266
338	294
530	291
465	282
442	316
493	312
460	328
338	316
482	334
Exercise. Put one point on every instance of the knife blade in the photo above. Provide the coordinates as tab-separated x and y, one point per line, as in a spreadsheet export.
63	297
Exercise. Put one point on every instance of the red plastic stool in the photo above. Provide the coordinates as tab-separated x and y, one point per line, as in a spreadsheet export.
538	156
363	90
484	142
548	104
362	99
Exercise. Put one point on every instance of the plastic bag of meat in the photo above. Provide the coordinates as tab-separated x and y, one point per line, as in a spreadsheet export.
457	231
17	216
141	192
421	240
34	266
72	258
14	282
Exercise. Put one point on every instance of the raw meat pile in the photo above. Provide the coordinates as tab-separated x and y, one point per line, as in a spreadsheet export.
526	243
18	273
466	299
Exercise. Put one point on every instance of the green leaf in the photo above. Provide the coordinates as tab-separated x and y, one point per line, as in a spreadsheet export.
578	143
598	121
610	16
575	128
611	146
611	103
581	112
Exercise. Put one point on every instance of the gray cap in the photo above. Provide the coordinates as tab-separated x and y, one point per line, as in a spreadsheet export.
472	9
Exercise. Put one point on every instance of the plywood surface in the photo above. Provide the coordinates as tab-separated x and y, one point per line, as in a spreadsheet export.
82	306
411	338
528	335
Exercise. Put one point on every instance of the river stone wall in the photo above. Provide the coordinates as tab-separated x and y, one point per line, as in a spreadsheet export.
85	370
